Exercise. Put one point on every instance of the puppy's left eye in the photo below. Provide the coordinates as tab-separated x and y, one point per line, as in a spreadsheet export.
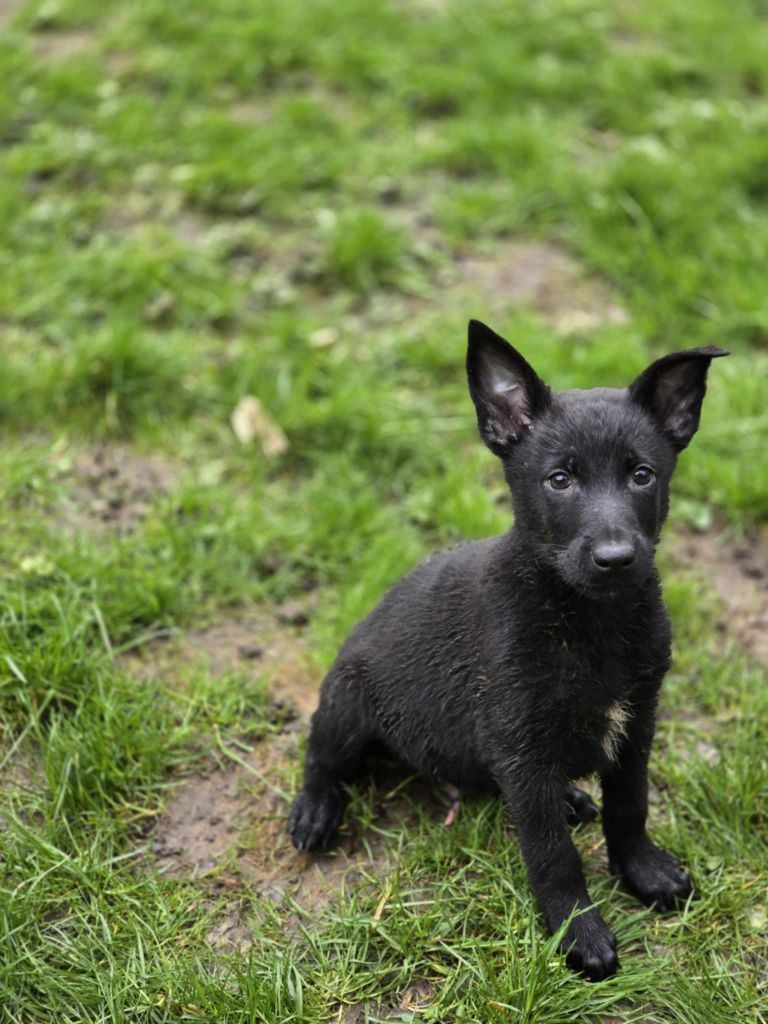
559	480
642	476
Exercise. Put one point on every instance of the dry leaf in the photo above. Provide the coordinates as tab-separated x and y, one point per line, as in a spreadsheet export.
324	337
758	918
37	565
250	422
160	307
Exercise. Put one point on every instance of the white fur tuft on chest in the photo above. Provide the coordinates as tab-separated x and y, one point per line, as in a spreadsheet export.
616	718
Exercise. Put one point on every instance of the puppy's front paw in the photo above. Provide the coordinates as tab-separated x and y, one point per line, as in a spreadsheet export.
315	816
654	877
590	947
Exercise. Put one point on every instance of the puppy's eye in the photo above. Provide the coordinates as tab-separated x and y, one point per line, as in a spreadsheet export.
642	476
559	480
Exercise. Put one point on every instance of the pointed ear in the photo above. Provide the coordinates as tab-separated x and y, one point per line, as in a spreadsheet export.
672	390
507	393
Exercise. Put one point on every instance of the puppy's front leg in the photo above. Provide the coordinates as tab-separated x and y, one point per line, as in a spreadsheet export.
648	872
538	810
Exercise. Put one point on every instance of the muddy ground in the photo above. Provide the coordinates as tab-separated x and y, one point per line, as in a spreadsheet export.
111	487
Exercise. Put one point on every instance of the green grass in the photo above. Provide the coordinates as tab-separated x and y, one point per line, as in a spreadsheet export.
189	200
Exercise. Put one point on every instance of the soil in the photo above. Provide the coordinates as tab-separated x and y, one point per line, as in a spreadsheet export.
260	110
21	769
546	278
737	572
227	822
113	487
7	9
414	999
507	273
254	644
61	46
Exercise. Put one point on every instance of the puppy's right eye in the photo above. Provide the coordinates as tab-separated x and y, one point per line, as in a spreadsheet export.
559	480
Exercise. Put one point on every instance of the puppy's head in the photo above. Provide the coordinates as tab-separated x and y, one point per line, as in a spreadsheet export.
589	471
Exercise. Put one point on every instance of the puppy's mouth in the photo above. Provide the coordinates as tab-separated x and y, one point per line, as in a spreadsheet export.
607	586
604	590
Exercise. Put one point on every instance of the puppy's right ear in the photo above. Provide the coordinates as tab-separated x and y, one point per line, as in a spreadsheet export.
507	393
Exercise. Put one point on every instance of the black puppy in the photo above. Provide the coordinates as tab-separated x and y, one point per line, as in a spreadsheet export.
523	662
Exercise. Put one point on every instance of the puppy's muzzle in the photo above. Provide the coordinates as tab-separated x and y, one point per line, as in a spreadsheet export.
613	555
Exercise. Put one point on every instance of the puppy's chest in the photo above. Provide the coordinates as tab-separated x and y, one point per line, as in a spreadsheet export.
584	699
580	733
571	660
592	736
614	728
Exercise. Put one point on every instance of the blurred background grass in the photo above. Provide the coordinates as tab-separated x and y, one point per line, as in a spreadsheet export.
188	195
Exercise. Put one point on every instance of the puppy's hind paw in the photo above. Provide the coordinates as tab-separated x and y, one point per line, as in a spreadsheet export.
315	816
579	806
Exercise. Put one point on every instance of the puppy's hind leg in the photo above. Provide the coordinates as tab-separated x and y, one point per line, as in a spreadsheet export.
341	730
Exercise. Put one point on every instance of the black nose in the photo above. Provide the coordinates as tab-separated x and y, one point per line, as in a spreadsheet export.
613	554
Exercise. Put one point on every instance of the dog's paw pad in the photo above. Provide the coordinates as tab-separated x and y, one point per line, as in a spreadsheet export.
315	816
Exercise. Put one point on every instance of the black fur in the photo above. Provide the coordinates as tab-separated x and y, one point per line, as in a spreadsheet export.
522	662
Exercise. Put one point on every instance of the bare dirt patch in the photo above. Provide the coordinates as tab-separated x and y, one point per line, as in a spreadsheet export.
209	812
137	213
192	227
113	487
737	571
7	9
20	769
228	823
498	276
267	647
256	111
265	107
62	46
415	999
501	274
544	277
258	643
238	241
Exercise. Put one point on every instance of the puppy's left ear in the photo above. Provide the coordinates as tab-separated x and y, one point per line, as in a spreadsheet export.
507	393
672	390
